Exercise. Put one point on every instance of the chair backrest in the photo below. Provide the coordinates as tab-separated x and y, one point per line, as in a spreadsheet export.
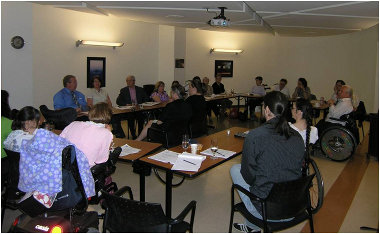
360	113
124	215
288	199
14	161
148	89
60	118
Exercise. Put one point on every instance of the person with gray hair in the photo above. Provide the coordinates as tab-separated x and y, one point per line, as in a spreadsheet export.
69	96
177	110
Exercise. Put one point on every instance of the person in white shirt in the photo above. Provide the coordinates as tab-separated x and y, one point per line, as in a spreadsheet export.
257	90
302	112
342	107
98	94
282	87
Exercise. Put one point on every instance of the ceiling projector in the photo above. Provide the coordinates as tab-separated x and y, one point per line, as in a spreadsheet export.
220	20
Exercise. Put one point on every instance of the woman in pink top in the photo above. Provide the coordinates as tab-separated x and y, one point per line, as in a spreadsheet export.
93	137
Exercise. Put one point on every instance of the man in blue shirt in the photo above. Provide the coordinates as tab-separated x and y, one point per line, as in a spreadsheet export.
69	96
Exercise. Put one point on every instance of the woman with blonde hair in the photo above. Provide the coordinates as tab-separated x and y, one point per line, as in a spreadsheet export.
98	94
92	137
159	94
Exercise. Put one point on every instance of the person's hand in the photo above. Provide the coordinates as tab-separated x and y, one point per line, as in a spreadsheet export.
107	126
331	102
78	110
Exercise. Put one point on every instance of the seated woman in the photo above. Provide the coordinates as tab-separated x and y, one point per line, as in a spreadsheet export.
302	91
24	128
302	112
159	94
92	137
198	107
98	94
176	110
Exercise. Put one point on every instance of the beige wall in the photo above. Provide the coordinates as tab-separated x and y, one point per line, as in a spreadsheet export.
150	50
321	60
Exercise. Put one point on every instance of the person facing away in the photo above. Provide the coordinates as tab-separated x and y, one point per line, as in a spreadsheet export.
258	89
272	153
206	87
97	93
23	128
69	96
281	86
92	137
159	94
302	90
197	102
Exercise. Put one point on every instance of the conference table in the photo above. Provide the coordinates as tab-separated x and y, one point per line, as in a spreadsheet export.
225	141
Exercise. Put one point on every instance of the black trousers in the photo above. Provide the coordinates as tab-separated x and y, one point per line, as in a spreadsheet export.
117	130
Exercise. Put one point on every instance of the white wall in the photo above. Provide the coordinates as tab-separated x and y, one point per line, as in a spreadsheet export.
180	53
321	60
166	55
17	64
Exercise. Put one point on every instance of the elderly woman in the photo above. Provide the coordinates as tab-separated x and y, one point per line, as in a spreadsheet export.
98	94
176	110
159	94
24	128
93	137
302	90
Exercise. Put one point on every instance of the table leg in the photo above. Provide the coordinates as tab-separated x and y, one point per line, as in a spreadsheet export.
142	186
168	201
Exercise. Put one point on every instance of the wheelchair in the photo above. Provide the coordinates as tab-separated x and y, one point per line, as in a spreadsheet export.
77	218
338	142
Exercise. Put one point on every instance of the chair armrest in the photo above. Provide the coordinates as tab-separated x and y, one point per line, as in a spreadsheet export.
123	190
246	192
339	120
190	207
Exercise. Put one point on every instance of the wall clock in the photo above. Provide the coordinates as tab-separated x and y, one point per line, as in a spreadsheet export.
17	42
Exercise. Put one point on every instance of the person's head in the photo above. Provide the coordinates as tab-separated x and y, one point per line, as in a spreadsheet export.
259	80
195	87
100	113
175	82
206	80
345	92
26	119
159	87
130	81
302	109
96	82
302	83
283	83
338	85
218	78
177	92
5	108
70	82
275	106
197	78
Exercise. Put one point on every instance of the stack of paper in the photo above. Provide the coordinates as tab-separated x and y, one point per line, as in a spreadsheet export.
165	156
126	149
124	107
150	103
188	162
221	153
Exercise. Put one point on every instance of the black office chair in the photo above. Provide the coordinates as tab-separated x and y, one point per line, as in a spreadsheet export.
285	200
169	135
148	89
125	215
360	115
60	118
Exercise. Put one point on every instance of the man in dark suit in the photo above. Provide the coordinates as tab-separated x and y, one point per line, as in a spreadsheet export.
131	94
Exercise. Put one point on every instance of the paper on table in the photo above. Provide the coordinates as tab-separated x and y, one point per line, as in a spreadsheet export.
221	153
188	162
165	156
150	103
124	107
126	149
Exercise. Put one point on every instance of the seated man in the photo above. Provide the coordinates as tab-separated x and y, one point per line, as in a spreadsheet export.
338	85
218	88
272	153
70	97
342	107
131	94
257	90
282	87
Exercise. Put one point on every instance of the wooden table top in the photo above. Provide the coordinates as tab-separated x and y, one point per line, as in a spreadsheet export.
144	146
225	141
116	111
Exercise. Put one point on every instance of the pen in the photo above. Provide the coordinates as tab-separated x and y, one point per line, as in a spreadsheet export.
189	162
221	154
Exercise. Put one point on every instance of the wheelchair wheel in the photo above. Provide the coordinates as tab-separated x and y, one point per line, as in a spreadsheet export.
317	191
338	143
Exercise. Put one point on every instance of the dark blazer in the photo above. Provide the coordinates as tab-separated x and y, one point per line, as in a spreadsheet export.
175	111
124	97
218	88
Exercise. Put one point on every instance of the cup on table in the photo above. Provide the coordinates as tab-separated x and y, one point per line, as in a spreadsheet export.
194	148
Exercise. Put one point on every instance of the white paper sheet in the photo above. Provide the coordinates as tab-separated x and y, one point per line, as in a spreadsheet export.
124	107
221	153
126	149
150	103
188	162
165	156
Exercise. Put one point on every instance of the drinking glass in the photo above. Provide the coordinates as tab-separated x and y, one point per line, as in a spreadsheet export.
214	147
185	142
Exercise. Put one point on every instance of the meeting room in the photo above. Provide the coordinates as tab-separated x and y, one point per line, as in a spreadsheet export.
190	116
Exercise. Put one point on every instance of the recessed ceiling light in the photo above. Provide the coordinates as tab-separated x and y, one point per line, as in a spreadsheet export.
174	16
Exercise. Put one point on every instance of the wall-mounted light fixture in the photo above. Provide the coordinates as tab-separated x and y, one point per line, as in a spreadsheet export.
214	50
99	43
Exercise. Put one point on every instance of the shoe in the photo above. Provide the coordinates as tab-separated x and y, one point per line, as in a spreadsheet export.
244	228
